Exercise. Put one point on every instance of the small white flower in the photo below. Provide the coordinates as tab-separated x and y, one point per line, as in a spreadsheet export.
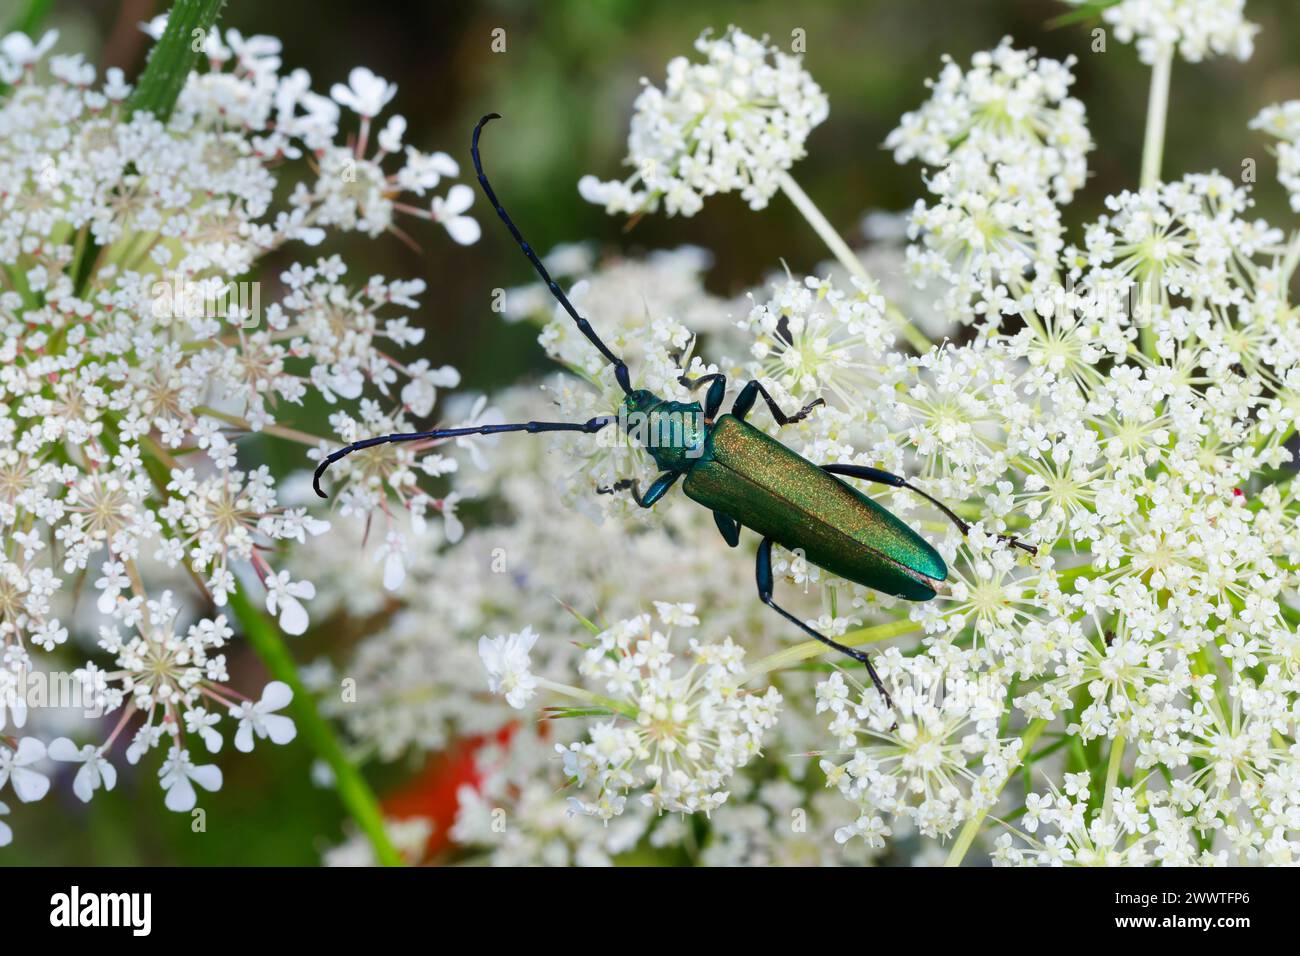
6	834
282	598
392	555
111	585
154	27
366	94
507	662
478	416
677	615
145	739
451	213
19	49
421	392
16	769
95	771
13	698
261	720
178	776
451	523
390	137
203	723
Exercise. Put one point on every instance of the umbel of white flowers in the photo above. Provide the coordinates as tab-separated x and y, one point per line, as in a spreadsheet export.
130	378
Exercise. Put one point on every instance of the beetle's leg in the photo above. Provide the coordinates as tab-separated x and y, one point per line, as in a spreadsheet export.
589	426
693	383
717	392
749	394
886	478
658	488
729	527
763	572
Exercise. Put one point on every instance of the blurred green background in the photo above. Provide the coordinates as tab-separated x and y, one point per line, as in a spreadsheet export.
565	85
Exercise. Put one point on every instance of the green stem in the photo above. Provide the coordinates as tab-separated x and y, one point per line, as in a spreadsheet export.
352	788
27	21
1068	576
578	693
840	249
808	649
174	56
280	431
1112	774
1153	148
170	61
972	827
31	17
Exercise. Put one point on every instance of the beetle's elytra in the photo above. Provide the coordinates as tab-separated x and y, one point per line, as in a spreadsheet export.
755	480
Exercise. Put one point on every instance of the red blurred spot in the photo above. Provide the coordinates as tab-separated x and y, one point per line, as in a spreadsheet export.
432	793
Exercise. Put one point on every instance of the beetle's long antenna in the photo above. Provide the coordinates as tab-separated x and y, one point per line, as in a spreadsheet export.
589	426
620	369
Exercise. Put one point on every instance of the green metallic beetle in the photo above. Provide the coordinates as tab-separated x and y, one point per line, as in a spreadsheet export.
745	477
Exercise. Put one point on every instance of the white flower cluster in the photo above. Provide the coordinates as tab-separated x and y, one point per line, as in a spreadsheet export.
1007	146
1195	28
807	339
1129	829
1127	407
936	758
1283	122
134	363
1183	253
523	774
676	734
732	123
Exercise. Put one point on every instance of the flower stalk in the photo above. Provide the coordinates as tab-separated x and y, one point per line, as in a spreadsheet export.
972	827
840	249
170	63
1153	147
31	17
1113	765
352	788
807	650
1153	144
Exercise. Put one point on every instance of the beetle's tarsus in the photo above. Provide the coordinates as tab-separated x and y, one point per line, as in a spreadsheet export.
754	390
805	411
1015	542
647	499
315	478
964	527
876	681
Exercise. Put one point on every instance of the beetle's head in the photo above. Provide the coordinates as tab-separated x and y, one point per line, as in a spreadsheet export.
640	402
